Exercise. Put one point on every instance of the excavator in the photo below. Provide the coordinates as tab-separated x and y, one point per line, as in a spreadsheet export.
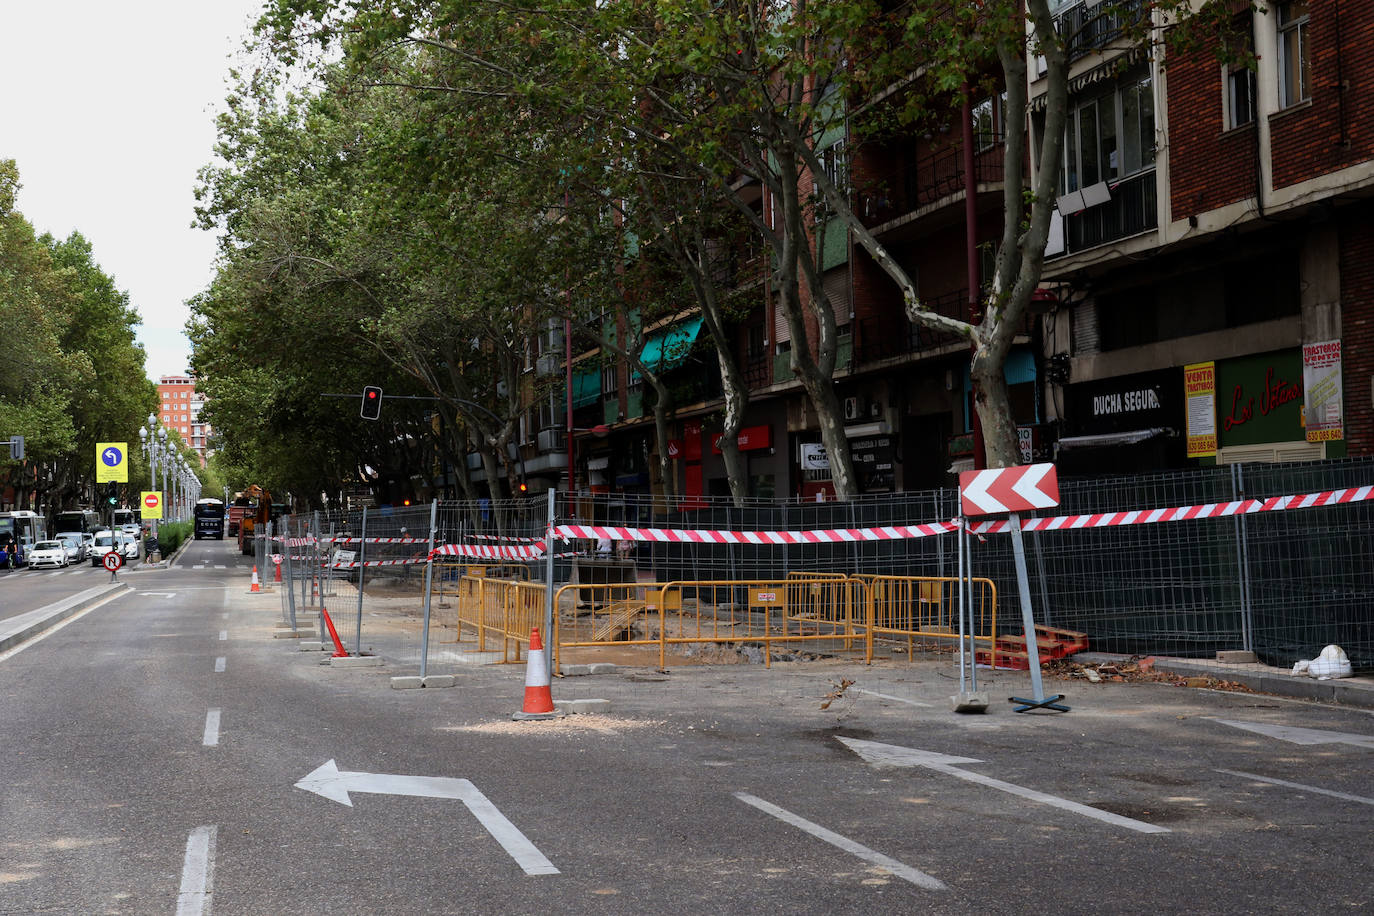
258	515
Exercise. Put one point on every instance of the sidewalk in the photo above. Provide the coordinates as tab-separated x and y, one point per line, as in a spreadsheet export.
1348	691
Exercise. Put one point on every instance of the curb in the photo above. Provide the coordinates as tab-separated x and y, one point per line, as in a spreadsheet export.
1345	691
31	623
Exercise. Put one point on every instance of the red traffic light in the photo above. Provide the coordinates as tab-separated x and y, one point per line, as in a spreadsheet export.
372	403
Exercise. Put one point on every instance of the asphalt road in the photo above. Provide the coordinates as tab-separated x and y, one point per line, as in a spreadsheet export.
25	589
151	750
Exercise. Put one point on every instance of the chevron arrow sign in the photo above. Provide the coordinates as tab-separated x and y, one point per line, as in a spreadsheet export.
1019	489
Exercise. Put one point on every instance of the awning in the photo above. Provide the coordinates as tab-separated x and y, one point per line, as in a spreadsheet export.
670	348
586	387
1130	437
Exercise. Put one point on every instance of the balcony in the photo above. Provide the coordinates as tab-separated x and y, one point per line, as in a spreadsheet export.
928	180
890	336
1086	28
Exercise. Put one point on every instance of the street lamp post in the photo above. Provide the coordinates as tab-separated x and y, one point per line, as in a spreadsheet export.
148	437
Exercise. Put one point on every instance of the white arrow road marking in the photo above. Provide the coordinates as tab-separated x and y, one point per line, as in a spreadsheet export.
1297	785
335	784
158	594
919	878
219	665
197	873
895	756
1295	735
888	696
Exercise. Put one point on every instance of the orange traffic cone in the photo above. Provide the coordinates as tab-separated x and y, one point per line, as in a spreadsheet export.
538	698
256	587
277	577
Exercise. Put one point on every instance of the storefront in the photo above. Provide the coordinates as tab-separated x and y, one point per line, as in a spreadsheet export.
1123	425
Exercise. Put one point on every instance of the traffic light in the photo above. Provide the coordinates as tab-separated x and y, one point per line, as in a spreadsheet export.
372	402
524	487
112	493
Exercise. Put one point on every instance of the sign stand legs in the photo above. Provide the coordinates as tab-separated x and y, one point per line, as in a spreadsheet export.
1028	621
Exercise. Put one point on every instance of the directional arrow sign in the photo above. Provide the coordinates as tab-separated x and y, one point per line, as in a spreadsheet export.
335	784
1295	735
892	755
1017	489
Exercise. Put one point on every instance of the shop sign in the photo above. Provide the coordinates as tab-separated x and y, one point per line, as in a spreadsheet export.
691	436
1128	402
873	464
751	438
1260	398
813	457
1025	442
1200	395
675	448
1321	379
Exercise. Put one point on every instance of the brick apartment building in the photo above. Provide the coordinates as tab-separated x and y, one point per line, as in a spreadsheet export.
180	410
1208	294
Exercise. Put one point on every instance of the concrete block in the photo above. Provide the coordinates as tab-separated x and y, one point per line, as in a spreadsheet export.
356	661
576	670
407	682
970	701
603	668
1237	657
439	680
310	645
288	633
581	707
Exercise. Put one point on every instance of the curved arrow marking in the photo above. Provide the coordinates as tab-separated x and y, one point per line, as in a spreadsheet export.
335	784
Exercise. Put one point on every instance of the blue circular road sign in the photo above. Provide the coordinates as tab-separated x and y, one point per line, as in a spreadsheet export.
112	456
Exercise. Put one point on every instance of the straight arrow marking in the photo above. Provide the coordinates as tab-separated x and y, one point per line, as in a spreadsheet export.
1296	735
335	784
895	755
901	870
1299	786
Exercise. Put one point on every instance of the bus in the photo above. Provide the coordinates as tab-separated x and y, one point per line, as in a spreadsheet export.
19	531
86	521
209	519
126	516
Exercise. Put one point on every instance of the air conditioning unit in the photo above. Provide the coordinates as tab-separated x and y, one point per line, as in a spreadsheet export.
853	408
551	439
546	365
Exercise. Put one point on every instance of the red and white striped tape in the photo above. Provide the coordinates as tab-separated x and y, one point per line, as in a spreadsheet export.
490	551
1182	513
355	564
508	540
766	538
899	532
341	539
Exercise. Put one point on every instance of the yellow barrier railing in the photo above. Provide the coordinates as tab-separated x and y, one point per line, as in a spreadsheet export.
848	610
502	608
928	607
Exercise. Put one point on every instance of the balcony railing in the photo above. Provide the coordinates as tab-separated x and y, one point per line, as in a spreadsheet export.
1085	29
927	180
893	335
1130	211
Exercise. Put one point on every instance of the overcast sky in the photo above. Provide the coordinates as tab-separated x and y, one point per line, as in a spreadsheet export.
108	107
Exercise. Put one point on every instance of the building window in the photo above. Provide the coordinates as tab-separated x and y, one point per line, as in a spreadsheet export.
1239	75
1109	137
609	382
987	122
1295	72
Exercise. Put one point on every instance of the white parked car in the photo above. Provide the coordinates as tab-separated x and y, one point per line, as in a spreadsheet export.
77	545
128	546
48	553
132	529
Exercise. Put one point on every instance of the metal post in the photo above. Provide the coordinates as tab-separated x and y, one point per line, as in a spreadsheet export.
1242	561
548	582
286	559
429	583
960	534
362	571
1028	621
968	606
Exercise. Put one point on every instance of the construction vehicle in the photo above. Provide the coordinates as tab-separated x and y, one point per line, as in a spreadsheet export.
259	513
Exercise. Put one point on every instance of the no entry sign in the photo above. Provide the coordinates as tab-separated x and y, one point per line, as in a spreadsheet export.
152	505
1019	489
